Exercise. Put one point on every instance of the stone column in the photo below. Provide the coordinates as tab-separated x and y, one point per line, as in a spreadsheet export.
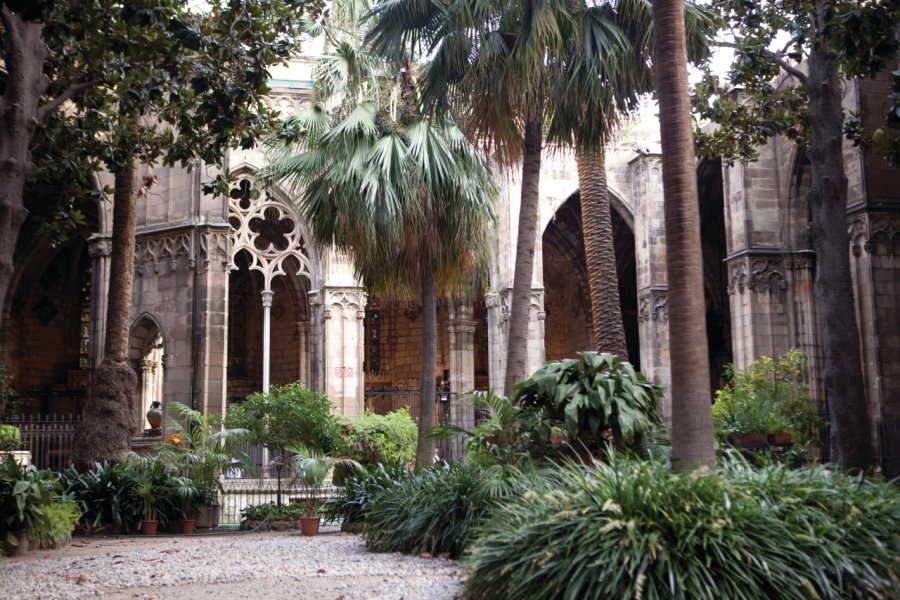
461	327
497	317
210	329
303	362
146	394
99	249
343	316
267	297
652	283
536	317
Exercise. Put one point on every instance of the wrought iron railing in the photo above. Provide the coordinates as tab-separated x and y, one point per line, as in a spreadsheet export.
49	439
241	493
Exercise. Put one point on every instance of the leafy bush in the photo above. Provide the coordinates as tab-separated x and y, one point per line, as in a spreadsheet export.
8	394
596	394
55	529
430	511
360	490
287	415
25	494
273	512
768	396
631	529
104	495
10	438
388	439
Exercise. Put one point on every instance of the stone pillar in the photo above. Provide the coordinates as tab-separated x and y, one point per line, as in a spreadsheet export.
652	282
267	297
497	317
758	291
536	318
461	327
303	357
210	327
343	315
99	249
146	394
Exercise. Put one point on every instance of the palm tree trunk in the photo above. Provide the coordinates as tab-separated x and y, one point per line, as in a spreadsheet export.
106	431
425	445
600	253
851	443
517	342
692	431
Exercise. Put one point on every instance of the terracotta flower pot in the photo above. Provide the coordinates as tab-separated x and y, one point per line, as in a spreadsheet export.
149	527
780	438
309	525
186	525
749	440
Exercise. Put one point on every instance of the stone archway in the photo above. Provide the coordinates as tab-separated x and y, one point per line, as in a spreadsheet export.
147	354
566	297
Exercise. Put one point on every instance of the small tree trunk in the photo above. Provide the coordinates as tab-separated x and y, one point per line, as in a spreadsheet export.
692	430
851	443
425	445
600	253
517	340
106	431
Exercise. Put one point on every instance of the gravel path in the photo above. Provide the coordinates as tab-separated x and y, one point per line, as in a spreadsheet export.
251	566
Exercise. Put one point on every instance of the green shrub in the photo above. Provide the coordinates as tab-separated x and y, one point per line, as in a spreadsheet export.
358	494
10	438
25	494
598	395
768	396
631	529
430	511
273	512
55	529
387	439
105	495
287	415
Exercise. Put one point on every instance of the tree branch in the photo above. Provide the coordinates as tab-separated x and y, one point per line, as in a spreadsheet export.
70	91
787	67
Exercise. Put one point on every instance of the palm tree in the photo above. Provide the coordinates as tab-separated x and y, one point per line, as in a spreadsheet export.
692	430
488	61
405	195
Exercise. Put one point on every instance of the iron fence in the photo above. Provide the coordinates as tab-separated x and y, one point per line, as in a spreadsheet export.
241	493
49	438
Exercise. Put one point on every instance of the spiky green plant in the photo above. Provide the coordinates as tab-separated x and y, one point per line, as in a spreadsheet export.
633	529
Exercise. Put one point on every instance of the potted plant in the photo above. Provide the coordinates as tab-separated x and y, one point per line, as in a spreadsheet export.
188	498
310	469
148	473
201	449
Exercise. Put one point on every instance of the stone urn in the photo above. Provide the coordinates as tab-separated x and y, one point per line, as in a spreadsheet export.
155	415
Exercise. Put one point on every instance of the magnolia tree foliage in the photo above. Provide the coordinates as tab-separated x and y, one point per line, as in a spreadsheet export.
790	60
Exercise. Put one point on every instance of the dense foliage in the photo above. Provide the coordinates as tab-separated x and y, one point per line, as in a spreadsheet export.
769	396
10	438
356	497
59	521
25	495
431	511
273	512
387	439
287	415
597	395
632	529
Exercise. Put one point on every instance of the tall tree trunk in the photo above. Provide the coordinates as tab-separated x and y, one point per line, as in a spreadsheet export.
19	116
425	445
517	340
692	430
851	444
106	431
600	253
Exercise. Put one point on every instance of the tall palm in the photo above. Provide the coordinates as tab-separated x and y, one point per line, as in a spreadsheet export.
605	71
488	62
692	431
406	195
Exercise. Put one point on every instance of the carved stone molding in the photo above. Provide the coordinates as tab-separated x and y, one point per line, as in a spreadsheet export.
759	274
652	305
161	254
215	246
98	247
766	275
345	300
